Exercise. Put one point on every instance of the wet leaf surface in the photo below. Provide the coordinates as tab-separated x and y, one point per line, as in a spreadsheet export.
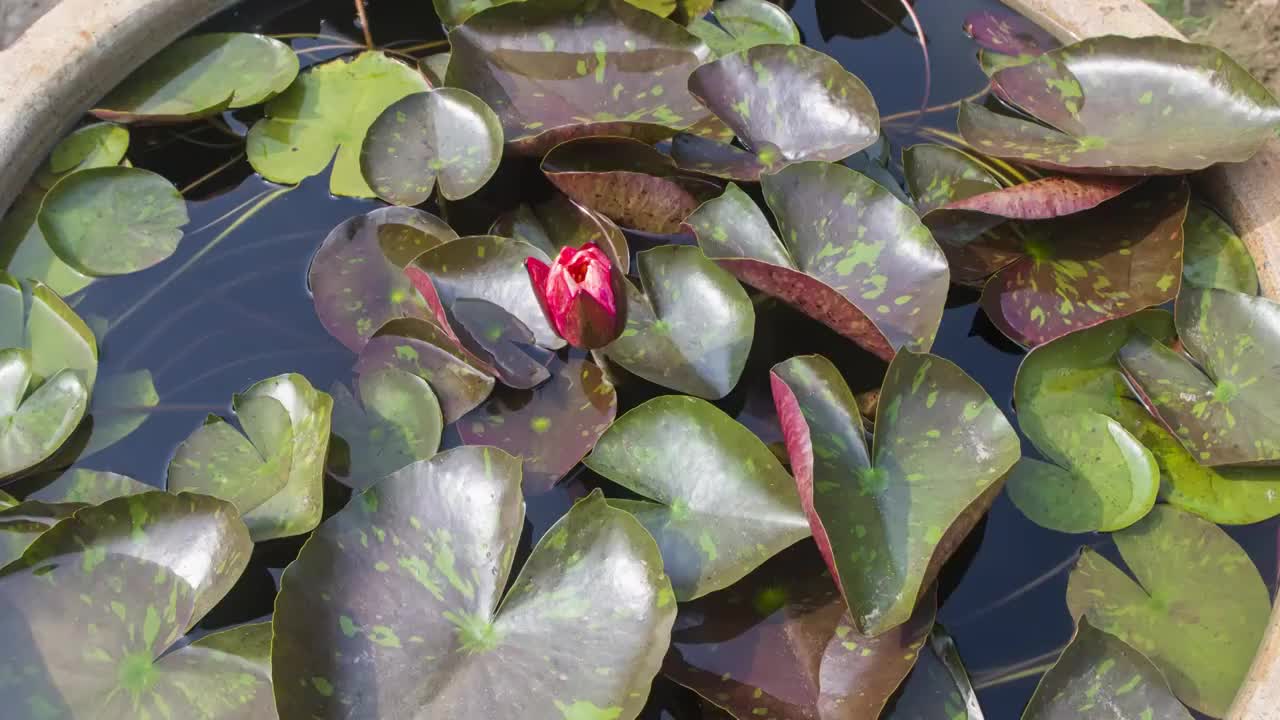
886	518
1214	256
395	421
561	222
412	622
743	24
1197	609
713	157
22	523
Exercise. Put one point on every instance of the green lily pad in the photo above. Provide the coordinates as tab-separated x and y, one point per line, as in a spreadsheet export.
681	11
577	72
202	75
88	487
716	499
458	379
831	262
140	571
274	472
561	222
325	113
780	644
357	277
886	518
1083	269
1214	256
113	220
550	427
413	623
22	523
435	67
744	24
7	500
770	94
121	404
456	12
33	317
938	688
1100	676
1198	609
446	134
395	422
34	423
1127	106
1220	406
689	328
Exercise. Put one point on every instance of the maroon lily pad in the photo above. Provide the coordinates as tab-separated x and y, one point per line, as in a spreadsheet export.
710	156
561	222
500	340
1008	33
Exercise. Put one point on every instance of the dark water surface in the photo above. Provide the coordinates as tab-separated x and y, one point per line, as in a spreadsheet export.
243	313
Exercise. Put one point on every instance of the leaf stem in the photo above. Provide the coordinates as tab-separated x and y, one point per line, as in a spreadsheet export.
928	65
364	24
211	174
1005	678
935	108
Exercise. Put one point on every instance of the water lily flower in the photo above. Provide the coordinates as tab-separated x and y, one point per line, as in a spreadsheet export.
583	295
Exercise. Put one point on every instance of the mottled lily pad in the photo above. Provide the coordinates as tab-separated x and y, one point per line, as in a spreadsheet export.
570	68
1008	33
561	222
1218	401
35	420
202	75
716	499
689	328
357	277
500	340
713	157
1126	106
395	422
113	220
121	404
89	487
1214	256
551	427
447	135
1083	269
22	523
140	571
326	113
1100	676
743	24
411	623
888	516
769	96
780	644
420	347
1198	609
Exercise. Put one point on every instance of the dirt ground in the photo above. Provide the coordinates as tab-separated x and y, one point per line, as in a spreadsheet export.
1249	30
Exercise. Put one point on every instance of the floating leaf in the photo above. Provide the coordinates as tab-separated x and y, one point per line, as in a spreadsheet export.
887	518
396	422
551	427
559	69
34	317
410	624
202	75
1100	675
691	326
121	404
780	644
770	94
459	380
113	220
456	12
561	222
1083	269
327	111
1214	256
715	498
1220	406
938	687
1127	106
713	157
35	420
743	24
1008	33
89	487
22	523
503	342
447	133
7	500
1198	608
357	277
140	571
435	67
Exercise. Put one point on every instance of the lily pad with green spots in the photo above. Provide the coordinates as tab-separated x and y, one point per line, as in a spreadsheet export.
121	403
413	622
357	277
577	72
1197	609
323	118
113	220
1100	676
21	523
446	135
1214	256
33	317
938	688
458	379
743	24
689	327
1083	269
141	571
89	487
715	498
35	418
887	516
1126	106
561	222
780	644
202	75
714	157
550	427
394	422
1008	33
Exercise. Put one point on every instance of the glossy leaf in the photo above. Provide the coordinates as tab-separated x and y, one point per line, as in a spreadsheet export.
689	327
22	523
1126	106
1214	256
357	277
886	518
411	623
713	157
459	381
446	134
1008	33
323	118
550	427
1198	608
503	342
743	24
456	12
89	487
35	420
715	498
395	422
202	75
34	317
561	222
113	220
121	403
938	688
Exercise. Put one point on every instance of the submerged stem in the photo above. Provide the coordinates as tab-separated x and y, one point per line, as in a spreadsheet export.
211	174
364	24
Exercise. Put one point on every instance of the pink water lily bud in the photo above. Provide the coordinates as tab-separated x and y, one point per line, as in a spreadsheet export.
583	295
